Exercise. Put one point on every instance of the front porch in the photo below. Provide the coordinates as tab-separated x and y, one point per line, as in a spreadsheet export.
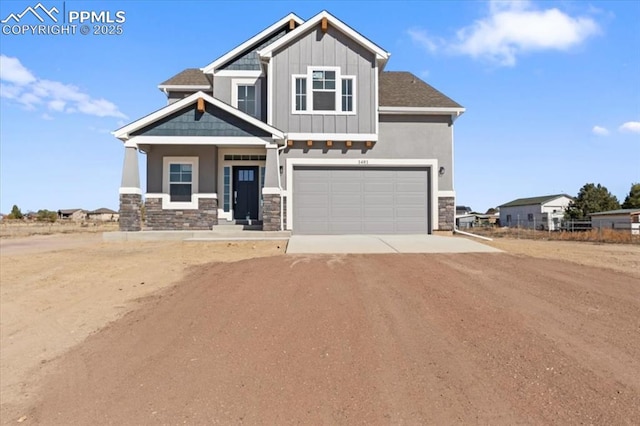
206	164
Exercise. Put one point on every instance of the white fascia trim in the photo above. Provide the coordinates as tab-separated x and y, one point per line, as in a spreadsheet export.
183	88
272	191
130	144
447	194
332	137
421	110
191	205
253	40
381	54
364	162
239	73
376	85
123	132
130	190
200	140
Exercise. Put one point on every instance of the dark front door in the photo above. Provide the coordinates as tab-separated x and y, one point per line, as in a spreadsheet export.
245	192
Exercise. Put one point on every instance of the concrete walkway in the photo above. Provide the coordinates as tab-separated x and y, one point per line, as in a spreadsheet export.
337	244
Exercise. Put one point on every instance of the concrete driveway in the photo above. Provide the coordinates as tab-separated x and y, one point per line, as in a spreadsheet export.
332	244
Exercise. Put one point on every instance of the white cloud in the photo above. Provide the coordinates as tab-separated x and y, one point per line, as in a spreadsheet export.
630	127
12	71
600	131
512	28
19	84
46	116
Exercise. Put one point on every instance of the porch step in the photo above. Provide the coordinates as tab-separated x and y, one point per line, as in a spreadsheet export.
238	225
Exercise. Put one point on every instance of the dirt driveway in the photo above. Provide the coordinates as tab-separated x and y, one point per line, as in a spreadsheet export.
391	339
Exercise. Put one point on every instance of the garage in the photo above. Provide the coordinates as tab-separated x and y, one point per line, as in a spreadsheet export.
361	200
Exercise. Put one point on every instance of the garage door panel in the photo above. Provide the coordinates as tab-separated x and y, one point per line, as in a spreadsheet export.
354	200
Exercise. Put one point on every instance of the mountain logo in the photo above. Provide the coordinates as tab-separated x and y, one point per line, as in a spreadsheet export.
34	11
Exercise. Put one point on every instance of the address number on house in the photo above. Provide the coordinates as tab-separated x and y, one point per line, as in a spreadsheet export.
363	162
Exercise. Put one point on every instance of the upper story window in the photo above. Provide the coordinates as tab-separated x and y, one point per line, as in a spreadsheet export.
245	95
331	92
247	99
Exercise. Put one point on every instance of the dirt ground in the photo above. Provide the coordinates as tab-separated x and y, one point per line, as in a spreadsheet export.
436	339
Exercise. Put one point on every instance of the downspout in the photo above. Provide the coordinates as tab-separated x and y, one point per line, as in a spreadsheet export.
279	150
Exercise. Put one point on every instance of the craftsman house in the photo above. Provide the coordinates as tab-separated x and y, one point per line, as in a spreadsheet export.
298	128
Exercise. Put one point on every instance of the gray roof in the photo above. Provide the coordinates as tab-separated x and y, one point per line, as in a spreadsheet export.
69	211
403	89
103	210
619	211
188	77
397	89
534	200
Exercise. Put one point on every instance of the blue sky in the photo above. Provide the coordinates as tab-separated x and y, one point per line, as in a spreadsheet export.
552	89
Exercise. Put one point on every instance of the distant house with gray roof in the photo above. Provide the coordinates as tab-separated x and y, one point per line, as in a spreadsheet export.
543	212
626	219
298	128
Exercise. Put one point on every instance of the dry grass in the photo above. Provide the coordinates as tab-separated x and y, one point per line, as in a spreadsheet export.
594	235
20	228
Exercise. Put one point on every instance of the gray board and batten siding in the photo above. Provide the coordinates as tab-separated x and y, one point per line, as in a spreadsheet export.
333	48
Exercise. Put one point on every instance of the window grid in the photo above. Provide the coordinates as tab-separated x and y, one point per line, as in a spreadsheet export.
347	94
301	94
180	180
247	99
226	205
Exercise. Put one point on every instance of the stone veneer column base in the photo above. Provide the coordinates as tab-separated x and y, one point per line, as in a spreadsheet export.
130	213
271	212
201	219
446	213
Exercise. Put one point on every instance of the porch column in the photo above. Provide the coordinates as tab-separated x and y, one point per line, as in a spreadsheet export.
130	192
271	209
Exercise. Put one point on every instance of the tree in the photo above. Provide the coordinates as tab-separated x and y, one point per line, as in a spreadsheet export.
632	201
591	199
15	213
46	216
492	211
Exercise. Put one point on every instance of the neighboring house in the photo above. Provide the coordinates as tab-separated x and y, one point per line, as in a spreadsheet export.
545	212
628	219
72	214
103	215
300	128
472	220
461	210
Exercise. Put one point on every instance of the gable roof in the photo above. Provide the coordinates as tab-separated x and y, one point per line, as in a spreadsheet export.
381	54
191	78
403	89
209	69
618	211
534	200
124	132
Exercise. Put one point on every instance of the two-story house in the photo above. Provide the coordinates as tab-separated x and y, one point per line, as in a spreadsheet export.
298	128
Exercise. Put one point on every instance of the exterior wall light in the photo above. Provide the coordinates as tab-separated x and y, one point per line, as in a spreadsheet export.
441	170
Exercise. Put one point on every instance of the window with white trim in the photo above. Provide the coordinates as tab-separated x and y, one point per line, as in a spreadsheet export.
323	90
180	178
245	95
247	99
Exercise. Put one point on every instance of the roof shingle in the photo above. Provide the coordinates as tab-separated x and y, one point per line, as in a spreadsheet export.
188	77
403	89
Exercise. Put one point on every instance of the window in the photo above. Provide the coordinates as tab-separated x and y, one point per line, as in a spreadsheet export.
245	95
324	90
226	202
247	99
347	94
180	182
301	94
180	178
330	92
245	176
508	218
530	217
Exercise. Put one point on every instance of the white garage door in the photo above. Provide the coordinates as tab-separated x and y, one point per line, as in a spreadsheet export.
359	200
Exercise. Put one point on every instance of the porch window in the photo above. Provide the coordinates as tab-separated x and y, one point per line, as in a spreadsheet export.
180	180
